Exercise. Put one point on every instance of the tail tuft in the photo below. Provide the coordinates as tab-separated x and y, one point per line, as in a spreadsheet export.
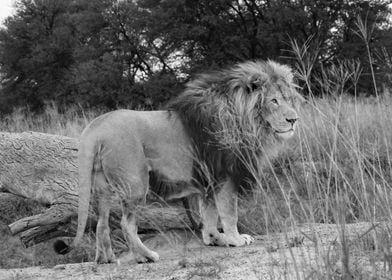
60	247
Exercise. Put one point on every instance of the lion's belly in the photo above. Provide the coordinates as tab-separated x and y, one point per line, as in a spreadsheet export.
171	177
172	165
170	169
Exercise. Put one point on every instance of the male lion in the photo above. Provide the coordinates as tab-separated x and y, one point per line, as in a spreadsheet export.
204	145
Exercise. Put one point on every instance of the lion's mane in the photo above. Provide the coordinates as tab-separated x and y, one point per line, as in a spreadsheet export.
223	119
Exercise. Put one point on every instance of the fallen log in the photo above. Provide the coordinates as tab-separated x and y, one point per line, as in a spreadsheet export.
43	167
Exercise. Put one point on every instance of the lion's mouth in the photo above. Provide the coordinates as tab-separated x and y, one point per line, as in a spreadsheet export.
285	134
284	131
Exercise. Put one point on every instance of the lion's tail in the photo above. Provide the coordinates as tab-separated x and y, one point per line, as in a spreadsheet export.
86	157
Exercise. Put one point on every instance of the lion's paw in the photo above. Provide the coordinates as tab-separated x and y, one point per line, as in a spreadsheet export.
214	239
103	260
152	257
239	240
248	239
224	240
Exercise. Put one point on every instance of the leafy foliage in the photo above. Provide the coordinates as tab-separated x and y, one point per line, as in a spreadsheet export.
110	53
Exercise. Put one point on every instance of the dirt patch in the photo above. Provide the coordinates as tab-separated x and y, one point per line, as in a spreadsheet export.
310	251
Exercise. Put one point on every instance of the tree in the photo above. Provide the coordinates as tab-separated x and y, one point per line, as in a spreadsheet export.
112	53
36	47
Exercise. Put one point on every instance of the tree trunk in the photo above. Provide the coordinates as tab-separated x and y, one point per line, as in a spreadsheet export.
43	167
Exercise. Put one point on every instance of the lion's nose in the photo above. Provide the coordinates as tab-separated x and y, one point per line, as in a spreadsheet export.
292	120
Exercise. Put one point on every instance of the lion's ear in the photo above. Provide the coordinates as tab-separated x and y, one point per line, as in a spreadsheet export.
255	84
252	87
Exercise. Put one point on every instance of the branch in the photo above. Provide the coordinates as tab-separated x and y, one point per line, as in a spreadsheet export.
43	167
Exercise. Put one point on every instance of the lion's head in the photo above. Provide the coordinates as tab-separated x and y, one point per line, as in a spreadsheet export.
265	95
247	108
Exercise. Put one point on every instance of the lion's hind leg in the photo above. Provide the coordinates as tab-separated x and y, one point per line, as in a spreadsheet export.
127	174
135	187
128	224
104	251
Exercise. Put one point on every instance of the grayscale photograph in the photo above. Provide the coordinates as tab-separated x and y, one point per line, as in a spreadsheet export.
196	139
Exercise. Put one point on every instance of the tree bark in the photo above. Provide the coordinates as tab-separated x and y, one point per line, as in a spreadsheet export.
43	167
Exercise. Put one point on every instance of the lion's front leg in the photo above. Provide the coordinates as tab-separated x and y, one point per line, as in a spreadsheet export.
226	202
209	218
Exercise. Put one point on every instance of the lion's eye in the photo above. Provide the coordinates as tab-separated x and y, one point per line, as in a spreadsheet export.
275	101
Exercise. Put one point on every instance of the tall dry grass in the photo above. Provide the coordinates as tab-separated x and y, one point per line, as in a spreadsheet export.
68	123
336	170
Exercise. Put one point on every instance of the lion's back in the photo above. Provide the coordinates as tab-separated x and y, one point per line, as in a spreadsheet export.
156	138
133	124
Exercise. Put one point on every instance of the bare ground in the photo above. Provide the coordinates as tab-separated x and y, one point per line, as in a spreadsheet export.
307	252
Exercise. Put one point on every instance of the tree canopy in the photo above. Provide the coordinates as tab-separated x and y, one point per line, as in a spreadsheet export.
139	53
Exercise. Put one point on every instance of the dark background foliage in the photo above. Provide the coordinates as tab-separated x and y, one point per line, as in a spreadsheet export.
108	53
